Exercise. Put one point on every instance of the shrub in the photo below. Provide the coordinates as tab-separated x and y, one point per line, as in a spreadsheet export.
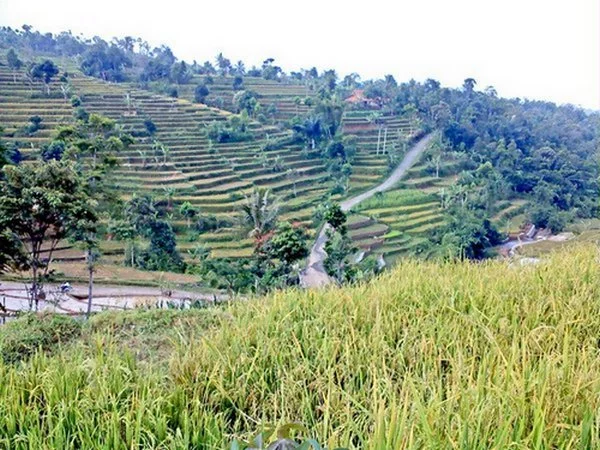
53	150
150	126
30	332
75	101
210	222
200	93
81	114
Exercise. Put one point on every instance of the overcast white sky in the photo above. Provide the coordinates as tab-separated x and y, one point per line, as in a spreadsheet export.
540	49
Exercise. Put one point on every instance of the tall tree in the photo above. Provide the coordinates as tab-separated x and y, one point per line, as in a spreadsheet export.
45	71
42	205
259	214
14	63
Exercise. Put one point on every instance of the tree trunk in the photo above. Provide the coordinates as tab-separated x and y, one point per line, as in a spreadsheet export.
378	140
34	288
90	284
384	139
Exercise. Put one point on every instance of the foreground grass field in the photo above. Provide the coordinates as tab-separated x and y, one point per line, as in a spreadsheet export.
451	356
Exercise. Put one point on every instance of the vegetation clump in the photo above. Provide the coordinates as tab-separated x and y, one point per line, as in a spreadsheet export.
29	333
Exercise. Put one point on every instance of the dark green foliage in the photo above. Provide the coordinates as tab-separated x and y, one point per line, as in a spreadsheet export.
238	83
339	249
526	142
12	154
180	73
162	253
36	123
44	71
13	60
75	101
14	63
142	219
271	71
23	336
105	61
81	114
200	93
43	204
335	217
234	130
210	222
159	66
247	101
150	126
53	150
467	234
288	244
235	275
547	216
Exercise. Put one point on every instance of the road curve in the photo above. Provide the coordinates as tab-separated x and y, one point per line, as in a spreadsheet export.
314	275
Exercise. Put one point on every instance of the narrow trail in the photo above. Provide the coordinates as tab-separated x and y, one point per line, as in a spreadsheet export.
314	275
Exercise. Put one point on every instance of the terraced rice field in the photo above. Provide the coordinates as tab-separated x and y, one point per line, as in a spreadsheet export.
375	139
280	100
179	161
19	101
510	216
406	214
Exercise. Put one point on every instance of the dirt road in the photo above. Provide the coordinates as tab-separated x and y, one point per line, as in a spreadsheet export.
314	275
13	297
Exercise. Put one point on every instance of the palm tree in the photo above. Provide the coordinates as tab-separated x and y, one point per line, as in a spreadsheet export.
436	161
297	102
169	193
293	174
144	156
311	130
166	151
375	117
259	214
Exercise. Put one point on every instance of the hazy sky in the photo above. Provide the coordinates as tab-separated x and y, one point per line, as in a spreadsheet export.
541	49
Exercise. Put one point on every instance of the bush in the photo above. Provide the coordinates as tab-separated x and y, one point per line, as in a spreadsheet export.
30	332
75	101
53	150
211	222
150	126
200	93
81	114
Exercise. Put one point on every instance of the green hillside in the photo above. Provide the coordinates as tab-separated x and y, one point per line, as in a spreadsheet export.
211	136
446	356
179	161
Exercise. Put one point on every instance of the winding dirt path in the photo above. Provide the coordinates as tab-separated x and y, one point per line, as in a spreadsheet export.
314	276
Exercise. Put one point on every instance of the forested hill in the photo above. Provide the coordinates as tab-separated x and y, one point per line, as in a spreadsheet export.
309	137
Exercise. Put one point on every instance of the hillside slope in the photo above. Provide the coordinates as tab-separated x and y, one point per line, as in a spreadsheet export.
441	356
178	162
